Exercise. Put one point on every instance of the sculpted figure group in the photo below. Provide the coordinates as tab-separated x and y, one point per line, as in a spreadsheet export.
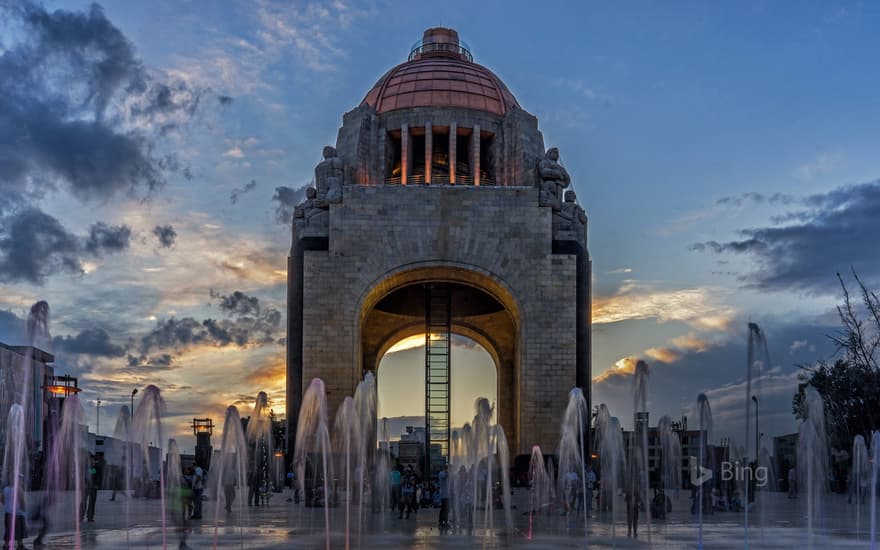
314	211
554	180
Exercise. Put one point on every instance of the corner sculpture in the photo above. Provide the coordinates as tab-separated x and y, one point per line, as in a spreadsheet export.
554	179
312	216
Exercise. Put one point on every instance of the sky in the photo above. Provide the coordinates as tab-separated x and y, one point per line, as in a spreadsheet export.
151	155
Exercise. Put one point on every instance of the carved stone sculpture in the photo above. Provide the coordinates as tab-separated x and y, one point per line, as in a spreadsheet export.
554	179
328	177
311	214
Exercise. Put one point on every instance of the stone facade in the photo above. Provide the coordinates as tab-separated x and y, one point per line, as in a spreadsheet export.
504	240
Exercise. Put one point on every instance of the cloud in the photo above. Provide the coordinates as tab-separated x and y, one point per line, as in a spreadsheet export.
620	271
252	326
800	344
823	164
107	238
166	235
80	110
34	245
837	230
13	329
690	342
664	355
623	368
89	342
287	199
697	307
225	100
236	193
238	303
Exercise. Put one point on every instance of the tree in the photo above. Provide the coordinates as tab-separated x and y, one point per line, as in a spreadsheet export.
850	385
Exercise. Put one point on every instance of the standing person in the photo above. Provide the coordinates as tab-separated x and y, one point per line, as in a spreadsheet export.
443	490
591	482
20	514
198	486
792	482
396	479
572	482
90	492
633	498
408	496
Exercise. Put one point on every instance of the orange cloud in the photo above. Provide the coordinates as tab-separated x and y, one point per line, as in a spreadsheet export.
697	307
623	367
664	355
690	342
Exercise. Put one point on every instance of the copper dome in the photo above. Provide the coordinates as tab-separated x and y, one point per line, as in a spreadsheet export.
440	72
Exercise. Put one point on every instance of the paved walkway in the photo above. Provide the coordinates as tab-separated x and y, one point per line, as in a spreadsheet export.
778	523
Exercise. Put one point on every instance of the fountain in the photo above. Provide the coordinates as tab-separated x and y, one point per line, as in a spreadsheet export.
365	406
539	496
638	473
146	428
259	439
813	456
346	447
122	433
861	471
875	455
704	412
313	444
232	468
572	463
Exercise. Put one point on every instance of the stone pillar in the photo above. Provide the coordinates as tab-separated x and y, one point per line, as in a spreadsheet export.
453	145
429	150
475	154
404	153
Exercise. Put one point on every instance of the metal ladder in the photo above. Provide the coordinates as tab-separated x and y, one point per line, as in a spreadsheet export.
438	321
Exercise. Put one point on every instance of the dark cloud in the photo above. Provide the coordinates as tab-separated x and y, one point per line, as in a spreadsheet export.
34	245
287	199
225	100
90	342
166	235
107	238
755	198
78	110
834	232
13	329
161	361
236	193
252	325
238	303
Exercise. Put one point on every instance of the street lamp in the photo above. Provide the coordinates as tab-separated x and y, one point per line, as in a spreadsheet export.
757	436
98	429
131	412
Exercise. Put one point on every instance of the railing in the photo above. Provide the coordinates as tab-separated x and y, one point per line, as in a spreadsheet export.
440	49
436	179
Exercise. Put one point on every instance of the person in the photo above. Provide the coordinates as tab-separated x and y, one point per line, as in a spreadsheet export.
198	487
792	482
180	505
443	493
90	494
591	483
229	487
20	514
633	498
572	482
408	497
396	479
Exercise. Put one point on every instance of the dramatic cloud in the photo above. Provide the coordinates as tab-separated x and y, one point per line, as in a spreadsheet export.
252	325
34	245
697	307
13	329
236	193
835	231
79	110
664	355
166	235
107	238
238	303
90	342
287	199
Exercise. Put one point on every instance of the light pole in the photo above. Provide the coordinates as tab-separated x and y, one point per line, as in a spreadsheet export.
98	429
131	411
757	436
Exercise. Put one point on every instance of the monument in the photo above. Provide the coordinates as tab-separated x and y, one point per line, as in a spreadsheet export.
439	212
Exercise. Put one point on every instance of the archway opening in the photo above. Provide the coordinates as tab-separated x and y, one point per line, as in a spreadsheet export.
400	380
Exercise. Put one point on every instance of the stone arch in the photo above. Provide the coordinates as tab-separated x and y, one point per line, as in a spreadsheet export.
497	331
